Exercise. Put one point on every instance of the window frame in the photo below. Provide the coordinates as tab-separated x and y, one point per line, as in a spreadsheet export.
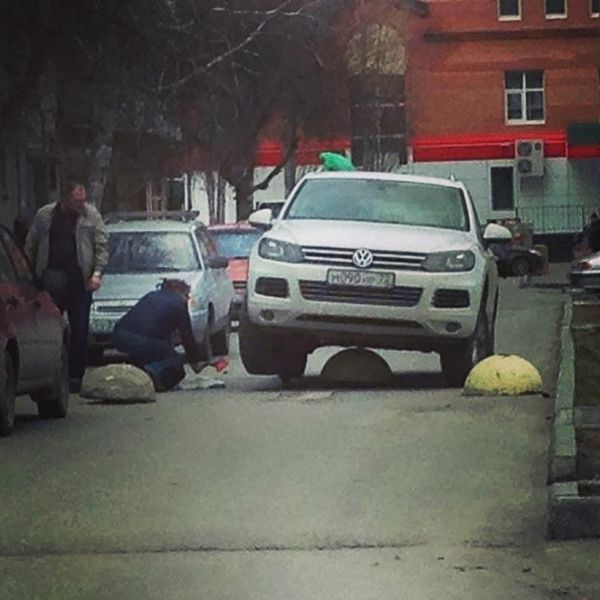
517	17
523	93
562	15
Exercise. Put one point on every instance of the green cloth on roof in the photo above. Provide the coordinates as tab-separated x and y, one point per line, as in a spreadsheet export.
335	162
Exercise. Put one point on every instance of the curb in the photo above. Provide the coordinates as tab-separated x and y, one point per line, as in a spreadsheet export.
563	449
572	516
572	512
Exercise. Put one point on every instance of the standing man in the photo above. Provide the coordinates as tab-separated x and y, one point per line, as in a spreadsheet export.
67	246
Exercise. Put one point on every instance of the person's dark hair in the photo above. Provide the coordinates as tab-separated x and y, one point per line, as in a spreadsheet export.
71	183
176	285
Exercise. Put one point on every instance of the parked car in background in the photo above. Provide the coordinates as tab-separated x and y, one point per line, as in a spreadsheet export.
515	262
274	205
235	241
374	260
145	249
585	273
34	341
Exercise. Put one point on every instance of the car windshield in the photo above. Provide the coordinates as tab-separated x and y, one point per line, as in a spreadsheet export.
150	252
236	244
381	201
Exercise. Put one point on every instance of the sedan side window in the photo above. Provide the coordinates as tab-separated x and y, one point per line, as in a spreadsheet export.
202	245
208	242
21	267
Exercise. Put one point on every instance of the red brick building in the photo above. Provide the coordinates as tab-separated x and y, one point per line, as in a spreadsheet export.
487	76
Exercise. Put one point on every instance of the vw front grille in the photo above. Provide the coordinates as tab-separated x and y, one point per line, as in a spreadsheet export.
397	296
382	259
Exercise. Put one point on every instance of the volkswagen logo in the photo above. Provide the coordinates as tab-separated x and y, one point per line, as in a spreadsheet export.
362	258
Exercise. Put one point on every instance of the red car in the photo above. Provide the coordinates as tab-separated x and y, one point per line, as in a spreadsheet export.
235	241
33	341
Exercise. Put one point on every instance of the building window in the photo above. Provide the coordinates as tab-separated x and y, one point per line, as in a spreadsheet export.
503	196
595	8
509	10
556	9
524	93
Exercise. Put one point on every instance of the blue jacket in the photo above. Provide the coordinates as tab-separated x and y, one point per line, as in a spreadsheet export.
157	316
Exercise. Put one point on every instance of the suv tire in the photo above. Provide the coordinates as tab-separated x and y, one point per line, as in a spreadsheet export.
458	360
291	363
256	347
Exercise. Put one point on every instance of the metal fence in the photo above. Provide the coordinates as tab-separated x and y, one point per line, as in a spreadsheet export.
567	218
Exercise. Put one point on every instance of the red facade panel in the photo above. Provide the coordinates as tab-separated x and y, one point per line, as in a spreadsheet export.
458	57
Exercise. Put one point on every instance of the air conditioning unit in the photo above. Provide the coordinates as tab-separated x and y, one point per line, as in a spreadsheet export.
529	158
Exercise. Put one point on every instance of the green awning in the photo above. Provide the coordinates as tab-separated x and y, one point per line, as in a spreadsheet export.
583	134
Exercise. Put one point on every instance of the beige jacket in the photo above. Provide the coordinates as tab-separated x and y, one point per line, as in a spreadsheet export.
90	234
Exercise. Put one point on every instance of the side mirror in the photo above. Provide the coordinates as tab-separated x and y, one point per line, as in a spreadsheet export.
496	234
261	218
218	262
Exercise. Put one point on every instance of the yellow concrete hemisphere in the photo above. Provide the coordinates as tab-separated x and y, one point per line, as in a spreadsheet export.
502	375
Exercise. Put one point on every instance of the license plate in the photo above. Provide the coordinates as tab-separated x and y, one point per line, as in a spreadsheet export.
102	326
372	279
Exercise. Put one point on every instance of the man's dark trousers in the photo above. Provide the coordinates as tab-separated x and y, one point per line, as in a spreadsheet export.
77	307
157	357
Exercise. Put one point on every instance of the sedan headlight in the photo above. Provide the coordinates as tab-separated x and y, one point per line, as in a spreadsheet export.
282	251
450	261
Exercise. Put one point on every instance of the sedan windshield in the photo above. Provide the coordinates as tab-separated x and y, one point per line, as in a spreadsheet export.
236	244
151	252
381	201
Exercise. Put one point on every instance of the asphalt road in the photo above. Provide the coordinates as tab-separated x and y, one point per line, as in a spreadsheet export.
407	492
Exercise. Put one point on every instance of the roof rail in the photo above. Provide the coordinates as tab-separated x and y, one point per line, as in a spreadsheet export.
156	215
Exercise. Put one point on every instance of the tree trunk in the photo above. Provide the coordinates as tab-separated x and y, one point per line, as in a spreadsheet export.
221	199
149	195
209	183
290	175
244	195
101	153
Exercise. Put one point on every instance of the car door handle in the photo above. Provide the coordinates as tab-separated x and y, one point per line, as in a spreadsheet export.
13	302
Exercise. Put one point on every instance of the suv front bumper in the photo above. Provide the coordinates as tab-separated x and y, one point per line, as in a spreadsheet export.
405	317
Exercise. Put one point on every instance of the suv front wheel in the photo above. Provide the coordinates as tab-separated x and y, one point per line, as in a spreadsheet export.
458	360
261	353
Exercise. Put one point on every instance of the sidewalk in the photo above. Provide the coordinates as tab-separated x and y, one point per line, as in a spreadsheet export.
556	278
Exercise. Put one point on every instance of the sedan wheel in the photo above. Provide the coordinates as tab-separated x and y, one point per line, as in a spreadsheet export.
520	266
53	403
8	392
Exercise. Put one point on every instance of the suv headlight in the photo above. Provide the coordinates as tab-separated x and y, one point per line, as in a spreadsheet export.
450	261
282	251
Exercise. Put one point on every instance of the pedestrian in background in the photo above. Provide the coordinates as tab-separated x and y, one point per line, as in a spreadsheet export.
145	334
67	247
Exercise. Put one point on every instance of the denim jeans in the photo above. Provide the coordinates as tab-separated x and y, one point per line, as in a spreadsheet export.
157	357
78	311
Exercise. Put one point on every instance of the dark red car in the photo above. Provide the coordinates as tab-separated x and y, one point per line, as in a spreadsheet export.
33	341
235	241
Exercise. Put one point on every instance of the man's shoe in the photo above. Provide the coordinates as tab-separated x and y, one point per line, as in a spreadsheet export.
75	386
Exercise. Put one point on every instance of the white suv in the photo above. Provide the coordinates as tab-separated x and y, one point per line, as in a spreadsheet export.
372	260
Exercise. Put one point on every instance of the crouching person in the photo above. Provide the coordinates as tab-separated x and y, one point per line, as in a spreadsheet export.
144	334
